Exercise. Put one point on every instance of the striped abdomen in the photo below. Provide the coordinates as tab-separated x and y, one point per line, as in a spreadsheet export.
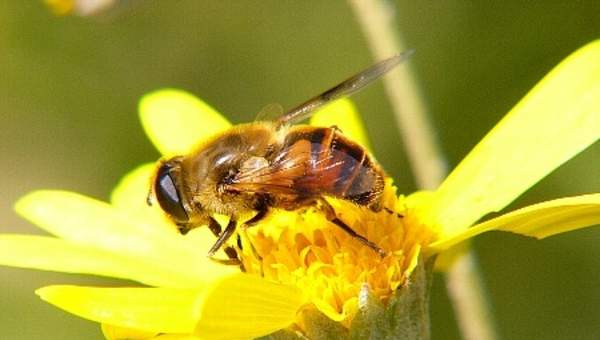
330	164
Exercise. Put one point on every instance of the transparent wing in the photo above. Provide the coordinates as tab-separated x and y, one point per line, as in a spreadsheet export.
345	88
271	112
300	170
281	175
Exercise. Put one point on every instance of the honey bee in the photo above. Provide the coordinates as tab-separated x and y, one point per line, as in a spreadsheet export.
273	164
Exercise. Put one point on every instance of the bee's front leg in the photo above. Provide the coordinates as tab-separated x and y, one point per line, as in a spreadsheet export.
260	215
262	209
222	237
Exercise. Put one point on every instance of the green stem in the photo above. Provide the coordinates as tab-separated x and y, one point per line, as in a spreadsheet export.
384	41
467	294
464	287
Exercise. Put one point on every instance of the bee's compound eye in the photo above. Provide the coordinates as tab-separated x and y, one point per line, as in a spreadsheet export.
168	196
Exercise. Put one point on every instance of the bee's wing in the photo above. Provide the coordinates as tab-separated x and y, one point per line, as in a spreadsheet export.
270	112
299	170
345	88
278	176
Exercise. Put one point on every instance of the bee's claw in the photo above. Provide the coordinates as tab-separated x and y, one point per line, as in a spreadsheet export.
379	251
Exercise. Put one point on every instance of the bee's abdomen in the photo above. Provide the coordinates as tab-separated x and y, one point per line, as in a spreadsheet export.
336	166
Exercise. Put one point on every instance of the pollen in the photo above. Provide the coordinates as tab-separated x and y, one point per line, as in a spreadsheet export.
328	265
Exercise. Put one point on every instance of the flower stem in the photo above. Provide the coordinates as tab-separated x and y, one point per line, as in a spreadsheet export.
468	299
377	20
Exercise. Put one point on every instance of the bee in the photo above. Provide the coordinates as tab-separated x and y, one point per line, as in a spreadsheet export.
265	165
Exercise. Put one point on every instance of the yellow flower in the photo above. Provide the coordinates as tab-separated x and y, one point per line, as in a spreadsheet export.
79	7
298	260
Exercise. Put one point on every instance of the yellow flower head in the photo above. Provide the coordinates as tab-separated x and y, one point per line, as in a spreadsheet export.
326	264
297	260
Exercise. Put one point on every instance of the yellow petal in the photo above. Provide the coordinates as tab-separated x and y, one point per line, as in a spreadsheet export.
76	217
48	253
88	222
131	195
239	306
555	121
176	121
111	332
343	114
245	306
539	220
160	310
133	188
176	337
61	7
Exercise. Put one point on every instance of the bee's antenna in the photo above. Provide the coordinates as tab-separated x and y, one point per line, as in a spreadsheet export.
149	198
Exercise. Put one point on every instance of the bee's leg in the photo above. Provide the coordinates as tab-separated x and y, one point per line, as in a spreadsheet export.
248	241
257	218
332	217
392	212
231	253
239	242
228	262
223	237
214	226
262	209
244	229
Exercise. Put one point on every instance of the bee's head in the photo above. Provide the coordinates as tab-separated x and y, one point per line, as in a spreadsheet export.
167	188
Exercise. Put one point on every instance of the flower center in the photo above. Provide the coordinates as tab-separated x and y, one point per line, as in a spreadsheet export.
326	263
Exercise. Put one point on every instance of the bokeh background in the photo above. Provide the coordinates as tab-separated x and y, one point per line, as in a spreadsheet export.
69	87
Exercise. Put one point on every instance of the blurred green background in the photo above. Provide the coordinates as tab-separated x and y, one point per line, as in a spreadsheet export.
69	87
